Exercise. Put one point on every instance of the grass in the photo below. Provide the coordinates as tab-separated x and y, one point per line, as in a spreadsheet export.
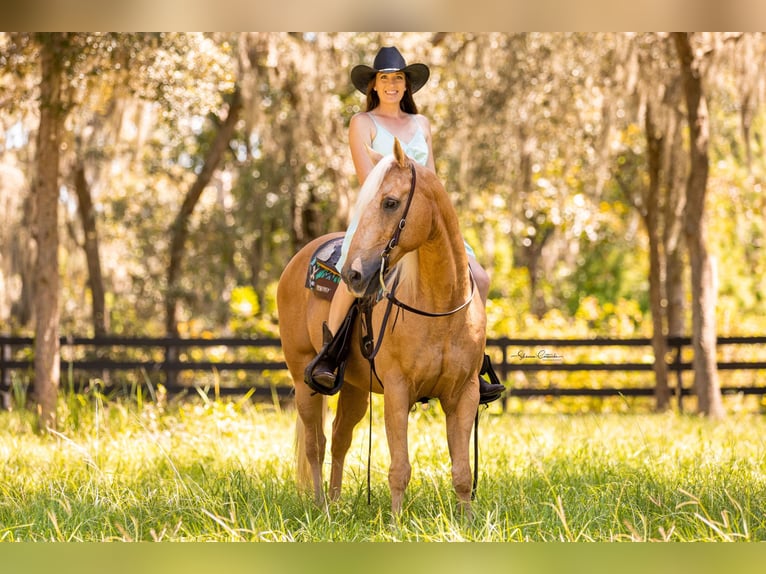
207	470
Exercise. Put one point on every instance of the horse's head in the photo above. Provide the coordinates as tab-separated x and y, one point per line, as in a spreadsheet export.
386	200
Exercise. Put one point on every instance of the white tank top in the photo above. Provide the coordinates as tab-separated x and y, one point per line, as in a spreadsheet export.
416	148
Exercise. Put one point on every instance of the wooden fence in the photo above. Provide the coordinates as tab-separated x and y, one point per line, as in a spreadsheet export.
259	362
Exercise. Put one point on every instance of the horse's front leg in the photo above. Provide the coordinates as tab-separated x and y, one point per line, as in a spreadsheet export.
352	404
396	409
460	415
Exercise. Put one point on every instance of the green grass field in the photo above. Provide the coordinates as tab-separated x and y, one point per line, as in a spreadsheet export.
206	470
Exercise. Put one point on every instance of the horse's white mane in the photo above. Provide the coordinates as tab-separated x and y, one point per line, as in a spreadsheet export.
370	187
407	267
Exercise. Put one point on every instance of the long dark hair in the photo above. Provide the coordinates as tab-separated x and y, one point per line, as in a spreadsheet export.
406	105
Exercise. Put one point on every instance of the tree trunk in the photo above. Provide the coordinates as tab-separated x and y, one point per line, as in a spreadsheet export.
92	251
675	199
703	272
260	249
530	253
180	228
676	167
652	219
46	346
532	258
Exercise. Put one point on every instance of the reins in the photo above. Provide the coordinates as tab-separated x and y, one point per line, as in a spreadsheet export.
391	296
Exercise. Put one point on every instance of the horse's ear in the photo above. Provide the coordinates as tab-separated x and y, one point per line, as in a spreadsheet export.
399	155
374	156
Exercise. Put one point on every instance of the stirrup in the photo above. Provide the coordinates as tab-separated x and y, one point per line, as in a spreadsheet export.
334	351
493	388
324	356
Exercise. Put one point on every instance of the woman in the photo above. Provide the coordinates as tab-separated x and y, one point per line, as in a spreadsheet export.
391	112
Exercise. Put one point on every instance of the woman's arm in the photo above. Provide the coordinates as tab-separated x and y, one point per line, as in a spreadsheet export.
361	132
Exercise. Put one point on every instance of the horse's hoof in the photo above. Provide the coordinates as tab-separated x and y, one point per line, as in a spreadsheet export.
465	512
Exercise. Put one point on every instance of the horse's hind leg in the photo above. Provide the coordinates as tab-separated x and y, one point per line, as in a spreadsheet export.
352	405
310	439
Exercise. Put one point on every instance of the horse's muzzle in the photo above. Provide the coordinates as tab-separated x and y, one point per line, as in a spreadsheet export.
362	277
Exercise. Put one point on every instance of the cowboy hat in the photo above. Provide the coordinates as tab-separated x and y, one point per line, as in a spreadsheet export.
388	59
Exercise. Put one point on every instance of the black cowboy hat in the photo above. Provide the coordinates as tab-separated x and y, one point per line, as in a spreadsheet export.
388	59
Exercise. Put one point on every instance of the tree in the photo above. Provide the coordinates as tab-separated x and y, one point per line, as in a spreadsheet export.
180	227
656	262
91	246
646	178
703	269
46	347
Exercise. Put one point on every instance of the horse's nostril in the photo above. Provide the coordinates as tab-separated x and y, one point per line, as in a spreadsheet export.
353	276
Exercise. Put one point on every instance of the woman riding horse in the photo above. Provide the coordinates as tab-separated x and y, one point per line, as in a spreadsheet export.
429	329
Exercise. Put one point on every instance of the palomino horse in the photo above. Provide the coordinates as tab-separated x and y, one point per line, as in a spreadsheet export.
432	347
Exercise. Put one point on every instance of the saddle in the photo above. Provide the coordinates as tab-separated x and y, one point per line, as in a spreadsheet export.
322	276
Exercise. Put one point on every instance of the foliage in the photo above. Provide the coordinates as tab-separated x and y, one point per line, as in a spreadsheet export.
538	137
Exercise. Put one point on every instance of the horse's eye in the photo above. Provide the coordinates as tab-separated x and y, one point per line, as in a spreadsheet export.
390	203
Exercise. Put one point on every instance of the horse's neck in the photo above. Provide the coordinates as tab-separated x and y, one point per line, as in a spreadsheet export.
442	267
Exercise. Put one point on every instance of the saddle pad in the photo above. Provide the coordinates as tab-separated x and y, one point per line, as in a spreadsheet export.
322	276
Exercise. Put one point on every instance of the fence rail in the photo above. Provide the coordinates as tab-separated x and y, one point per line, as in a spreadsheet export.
165	358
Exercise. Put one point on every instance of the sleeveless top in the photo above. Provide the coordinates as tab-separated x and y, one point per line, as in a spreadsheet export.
416	148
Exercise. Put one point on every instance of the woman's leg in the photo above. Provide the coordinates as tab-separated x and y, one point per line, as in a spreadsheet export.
321	373
492	389
481	277
339	306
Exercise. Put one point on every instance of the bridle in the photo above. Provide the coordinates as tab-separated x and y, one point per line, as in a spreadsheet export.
394	241
369	346
390	294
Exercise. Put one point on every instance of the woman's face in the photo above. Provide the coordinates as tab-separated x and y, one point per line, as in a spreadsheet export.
390	86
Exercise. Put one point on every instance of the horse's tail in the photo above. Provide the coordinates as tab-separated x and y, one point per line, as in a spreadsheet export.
302	467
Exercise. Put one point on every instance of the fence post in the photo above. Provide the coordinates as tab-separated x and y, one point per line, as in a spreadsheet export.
5	376
504	373
4	382
171	356
679	374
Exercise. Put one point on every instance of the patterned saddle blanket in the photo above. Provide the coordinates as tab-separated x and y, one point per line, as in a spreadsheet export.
322	276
